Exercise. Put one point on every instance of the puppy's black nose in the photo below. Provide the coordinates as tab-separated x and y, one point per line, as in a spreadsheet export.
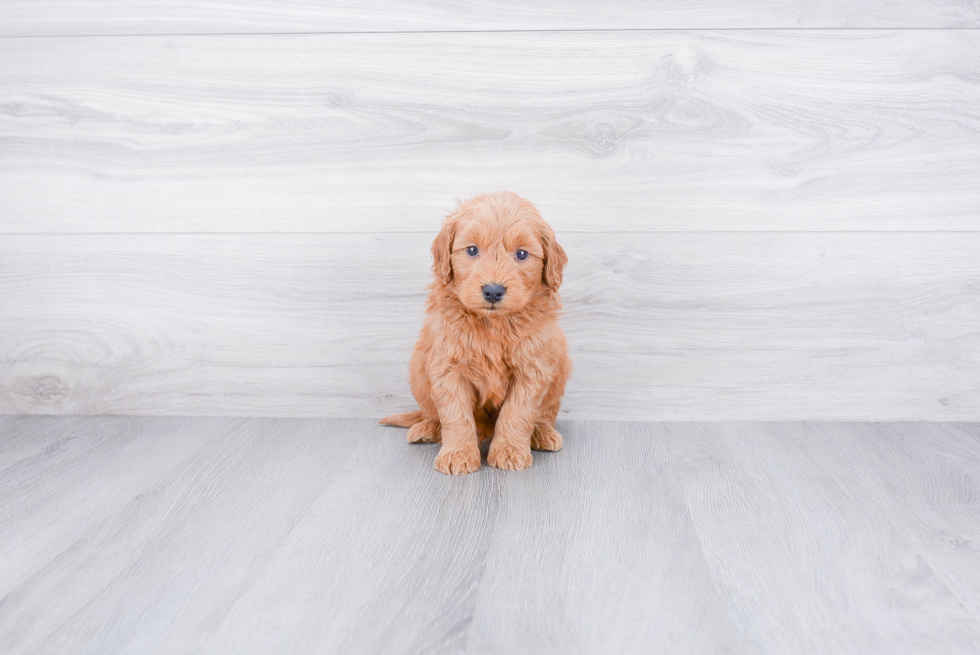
493	292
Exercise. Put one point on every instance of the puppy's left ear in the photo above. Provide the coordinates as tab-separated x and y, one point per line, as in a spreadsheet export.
555	259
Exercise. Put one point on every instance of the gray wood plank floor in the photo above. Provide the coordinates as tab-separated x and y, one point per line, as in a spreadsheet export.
178	535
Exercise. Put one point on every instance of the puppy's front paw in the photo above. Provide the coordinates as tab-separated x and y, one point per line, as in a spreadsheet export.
458	462
426	431
508	456
545	437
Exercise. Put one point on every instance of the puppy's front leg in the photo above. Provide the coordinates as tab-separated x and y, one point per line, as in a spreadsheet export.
455	400
511	445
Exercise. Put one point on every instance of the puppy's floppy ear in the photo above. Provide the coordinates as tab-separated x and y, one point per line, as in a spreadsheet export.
442	249
555	258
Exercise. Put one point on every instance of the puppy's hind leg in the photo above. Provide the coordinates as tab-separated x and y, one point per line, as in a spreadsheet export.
546	437
425	431
420	430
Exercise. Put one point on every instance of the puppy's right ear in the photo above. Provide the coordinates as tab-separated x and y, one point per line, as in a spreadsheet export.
442	249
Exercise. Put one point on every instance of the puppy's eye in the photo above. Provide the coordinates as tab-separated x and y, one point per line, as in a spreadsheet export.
522	255
472	251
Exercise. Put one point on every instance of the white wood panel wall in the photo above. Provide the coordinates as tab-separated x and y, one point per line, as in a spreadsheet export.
52	17
763	224
673	325
661	130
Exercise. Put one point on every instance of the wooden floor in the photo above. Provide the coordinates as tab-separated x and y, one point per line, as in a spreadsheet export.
218	535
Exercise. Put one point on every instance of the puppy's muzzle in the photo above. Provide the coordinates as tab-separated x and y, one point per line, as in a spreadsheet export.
492	293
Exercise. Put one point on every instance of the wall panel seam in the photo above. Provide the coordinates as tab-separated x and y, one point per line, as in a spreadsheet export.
534	31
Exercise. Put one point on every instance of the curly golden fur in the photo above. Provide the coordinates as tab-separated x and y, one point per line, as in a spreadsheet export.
490	364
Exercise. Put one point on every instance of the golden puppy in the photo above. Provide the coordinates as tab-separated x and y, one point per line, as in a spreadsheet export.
491	362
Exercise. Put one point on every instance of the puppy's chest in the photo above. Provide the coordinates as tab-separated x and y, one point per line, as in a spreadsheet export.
490	371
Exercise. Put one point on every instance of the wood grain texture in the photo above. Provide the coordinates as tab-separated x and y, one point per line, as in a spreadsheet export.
856	326
330	536
932	474
49	17
190	474
607	517
830	130
23	436
801	542
104	461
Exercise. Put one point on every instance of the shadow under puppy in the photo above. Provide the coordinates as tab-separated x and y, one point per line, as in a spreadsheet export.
491	361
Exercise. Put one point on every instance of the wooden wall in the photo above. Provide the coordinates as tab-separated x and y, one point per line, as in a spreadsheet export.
772	210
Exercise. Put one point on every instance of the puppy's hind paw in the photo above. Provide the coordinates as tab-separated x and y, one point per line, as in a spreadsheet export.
426	431
509	457
458	462
545	437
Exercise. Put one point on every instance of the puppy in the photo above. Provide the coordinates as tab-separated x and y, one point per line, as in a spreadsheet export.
491	362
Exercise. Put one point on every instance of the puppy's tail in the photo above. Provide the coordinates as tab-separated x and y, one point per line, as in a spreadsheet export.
406	420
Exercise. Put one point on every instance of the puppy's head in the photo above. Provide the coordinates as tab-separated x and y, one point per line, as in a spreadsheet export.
497	254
